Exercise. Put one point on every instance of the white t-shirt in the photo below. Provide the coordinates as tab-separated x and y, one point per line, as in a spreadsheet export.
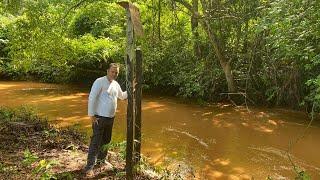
103	97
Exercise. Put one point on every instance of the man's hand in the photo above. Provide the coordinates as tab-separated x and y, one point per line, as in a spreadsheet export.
134	84
94	119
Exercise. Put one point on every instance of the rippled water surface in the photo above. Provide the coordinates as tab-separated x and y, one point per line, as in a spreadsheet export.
213	142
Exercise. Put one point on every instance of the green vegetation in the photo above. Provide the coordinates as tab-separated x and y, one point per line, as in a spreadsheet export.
42	170
266	49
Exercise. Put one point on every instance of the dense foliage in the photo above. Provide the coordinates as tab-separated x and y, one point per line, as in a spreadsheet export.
268	49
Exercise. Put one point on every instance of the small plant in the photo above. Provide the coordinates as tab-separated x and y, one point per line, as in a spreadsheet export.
50	133
120	147
19	114
42	170
29	158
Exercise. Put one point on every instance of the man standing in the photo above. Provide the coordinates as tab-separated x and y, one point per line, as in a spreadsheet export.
101	108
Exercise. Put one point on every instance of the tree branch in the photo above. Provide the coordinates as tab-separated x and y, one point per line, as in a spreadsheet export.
74	7
77	5
189	7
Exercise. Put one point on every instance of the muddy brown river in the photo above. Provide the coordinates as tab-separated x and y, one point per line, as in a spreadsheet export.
214	142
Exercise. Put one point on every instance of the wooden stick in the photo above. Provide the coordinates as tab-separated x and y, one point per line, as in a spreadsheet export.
138	97
130	121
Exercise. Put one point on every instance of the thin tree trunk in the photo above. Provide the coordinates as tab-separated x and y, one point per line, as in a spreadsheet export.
153	23
194	26
159	20
225	64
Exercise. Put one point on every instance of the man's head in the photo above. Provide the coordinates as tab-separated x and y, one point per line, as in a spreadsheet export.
113	71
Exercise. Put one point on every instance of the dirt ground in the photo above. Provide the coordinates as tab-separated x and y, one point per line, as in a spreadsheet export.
32	149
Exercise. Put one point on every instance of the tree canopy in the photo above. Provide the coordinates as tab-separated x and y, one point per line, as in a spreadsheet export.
267	49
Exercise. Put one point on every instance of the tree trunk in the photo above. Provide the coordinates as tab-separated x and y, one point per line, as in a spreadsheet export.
225	64
153	23
194	26
229	77
159	20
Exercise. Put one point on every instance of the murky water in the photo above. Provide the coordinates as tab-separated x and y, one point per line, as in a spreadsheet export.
215	142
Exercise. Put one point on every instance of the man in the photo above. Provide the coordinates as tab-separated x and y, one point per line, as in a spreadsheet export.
101	108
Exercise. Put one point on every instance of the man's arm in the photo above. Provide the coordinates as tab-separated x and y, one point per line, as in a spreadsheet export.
122	95
95	89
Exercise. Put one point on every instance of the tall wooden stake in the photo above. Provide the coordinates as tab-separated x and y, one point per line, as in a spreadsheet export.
130	111
130	121
134	27
138	97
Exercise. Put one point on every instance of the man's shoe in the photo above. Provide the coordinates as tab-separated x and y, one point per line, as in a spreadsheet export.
88	173
105	165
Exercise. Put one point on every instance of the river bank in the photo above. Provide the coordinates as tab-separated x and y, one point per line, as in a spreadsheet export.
32	149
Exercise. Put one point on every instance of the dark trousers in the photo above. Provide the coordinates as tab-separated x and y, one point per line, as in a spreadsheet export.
102	132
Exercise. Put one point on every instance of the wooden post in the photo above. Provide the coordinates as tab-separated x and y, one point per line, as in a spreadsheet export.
134	27
138	97
130	121
130	54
